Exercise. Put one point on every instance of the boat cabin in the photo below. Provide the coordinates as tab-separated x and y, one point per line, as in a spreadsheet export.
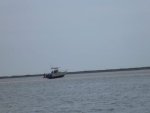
55	71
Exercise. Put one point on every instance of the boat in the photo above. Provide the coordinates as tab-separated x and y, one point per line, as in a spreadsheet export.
55	73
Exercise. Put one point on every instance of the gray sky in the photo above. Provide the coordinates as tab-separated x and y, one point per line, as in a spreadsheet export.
73	34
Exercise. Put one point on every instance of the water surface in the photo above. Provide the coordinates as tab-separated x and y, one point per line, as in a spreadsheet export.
107	92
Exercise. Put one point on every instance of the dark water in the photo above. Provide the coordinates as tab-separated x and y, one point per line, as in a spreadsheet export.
113	92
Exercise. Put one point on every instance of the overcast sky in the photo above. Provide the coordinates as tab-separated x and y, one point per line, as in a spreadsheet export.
73	34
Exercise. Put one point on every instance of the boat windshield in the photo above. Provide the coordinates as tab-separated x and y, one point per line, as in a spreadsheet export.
55	71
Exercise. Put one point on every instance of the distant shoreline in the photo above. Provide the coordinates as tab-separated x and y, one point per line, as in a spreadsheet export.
81	72
110	70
